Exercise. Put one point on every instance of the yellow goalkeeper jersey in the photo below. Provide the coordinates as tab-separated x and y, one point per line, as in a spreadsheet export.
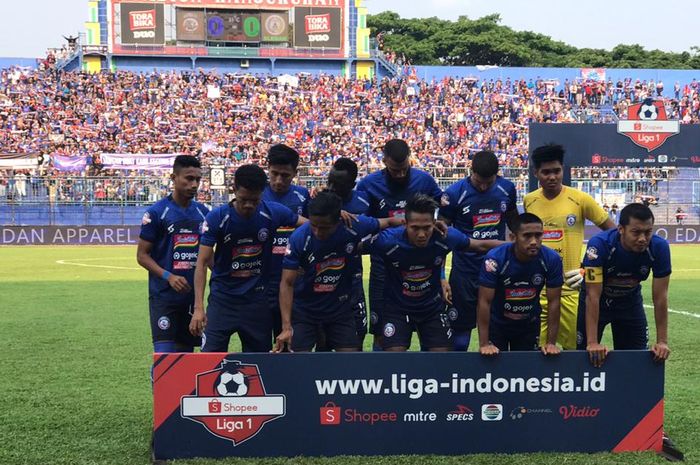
564	219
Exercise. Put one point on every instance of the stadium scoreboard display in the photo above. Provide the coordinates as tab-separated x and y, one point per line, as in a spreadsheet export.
301	24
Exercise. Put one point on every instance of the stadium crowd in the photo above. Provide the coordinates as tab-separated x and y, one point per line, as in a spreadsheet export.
325	117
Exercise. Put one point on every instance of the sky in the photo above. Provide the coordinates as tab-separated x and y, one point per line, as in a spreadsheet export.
28	29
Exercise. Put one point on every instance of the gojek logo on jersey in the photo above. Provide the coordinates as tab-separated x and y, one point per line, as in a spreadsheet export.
416	282
328	274
185	248
246	260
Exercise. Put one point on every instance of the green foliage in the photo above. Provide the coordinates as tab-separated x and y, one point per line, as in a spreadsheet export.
484	41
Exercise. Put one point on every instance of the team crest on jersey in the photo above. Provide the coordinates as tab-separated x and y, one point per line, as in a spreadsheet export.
452	314
592	253
164	323
389	330
349	247
263	234
504	206
146	219
491	265
571	220
444	200
537	279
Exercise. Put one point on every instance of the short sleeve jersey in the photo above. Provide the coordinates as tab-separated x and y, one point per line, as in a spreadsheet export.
174	232
387	202
479	215
297	200
327	264
518	284
564	220
621	271
243	245
413	273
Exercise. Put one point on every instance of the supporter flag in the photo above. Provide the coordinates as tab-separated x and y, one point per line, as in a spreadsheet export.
68	163
593	74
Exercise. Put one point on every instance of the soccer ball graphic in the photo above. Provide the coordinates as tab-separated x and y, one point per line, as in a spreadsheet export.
232	384
648	111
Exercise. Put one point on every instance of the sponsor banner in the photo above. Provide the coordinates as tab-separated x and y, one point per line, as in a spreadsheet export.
225	26
243	4
593	74
217	405
67	163
275	27
138	161
68	235
651	142
191	24
142	23
317	27
217	177
19	160
674	234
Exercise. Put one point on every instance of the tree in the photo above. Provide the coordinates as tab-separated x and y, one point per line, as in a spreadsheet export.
485	41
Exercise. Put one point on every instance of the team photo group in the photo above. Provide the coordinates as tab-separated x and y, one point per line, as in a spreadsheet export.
287	274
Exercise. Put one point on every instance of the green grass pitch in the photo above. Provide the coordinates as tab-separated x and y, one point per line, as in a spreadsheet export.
75	389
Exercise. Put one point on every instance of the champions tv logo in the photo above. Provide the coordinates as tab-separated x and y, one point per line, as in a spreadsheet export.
231	402
647	124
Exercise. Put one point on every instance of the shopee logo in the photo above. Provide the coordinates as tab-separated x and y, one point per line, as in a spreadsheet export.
330	414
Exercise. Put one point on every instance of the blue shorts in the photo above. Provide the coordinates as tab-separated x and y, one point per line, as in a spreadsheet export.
170	321
512	337
248	315
376	297
630	330
465	295
339	330
433	329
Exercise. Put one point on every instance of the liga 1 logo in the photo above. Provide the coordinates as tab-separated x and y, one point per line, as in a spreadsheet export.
647	124
231	402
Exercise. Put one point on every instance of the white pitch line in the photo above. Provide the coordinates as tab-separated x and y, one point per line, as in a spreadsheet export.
110	267
678	312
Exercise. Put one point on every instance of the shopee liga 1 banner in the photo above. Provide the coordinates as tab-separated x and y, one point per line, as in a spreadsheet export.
326	404
142	23
645	138
317	27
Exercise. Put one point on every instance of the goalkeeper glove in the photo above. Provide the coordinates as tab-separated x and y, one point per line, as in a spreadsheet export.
574	278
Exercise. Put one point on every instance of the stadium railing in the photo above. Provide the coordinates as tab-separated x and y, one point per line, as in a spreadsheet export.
122	200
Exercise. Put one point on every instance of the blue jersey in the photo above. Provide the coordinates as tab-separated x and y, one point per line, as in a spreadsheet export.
357	205
387	202
174	233
297	200
413	273
479	215
623	271
328	271
243	245
518	284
